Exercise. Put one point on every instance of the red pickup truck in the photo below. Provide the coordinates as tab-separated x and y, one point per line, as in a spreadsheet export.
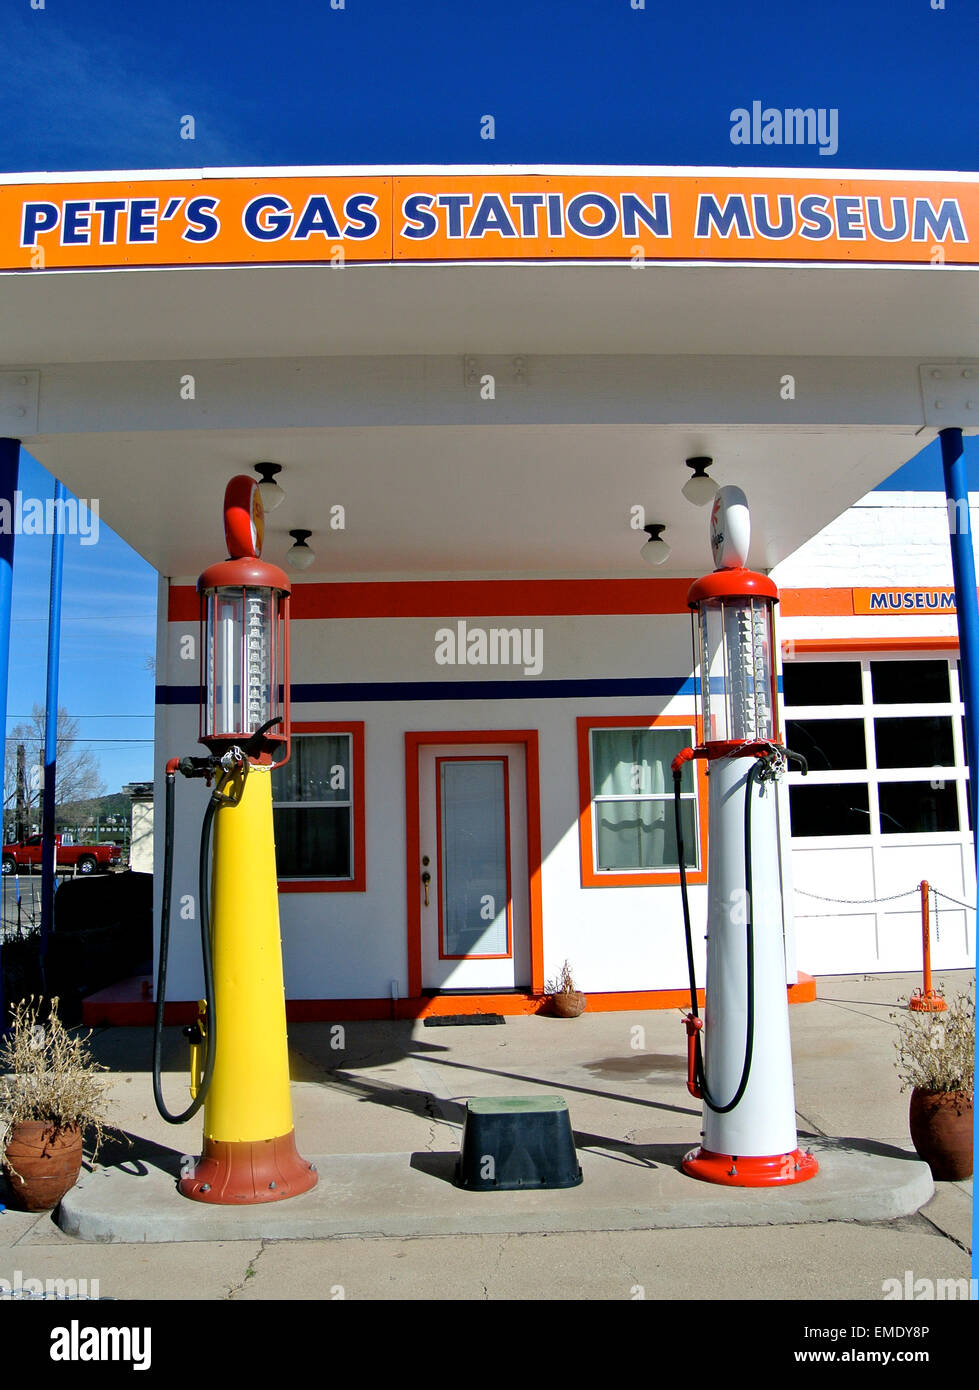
89	859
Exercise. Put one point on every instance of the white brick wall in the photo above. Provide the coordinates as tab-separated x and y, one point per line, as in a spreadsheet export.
886	538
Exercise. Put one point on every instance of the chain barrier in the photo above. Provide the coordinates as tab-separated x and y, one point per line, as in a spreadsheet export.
968	906
892	897
858	901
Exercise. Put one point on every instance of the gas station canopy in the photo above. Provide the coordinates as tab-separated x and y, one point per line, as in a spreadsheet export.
490	378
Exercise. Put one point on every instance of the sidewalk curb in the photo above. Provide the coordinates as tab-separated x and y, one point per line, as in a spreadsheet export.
413	1194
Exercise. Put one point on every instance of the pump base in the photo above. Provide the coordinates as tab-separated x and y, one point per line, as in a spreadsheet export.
774	1170
927	1001
237	1174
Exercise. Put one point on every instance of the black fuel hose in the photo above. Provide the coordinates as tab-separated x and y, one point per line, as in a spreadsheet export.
753	772
203	893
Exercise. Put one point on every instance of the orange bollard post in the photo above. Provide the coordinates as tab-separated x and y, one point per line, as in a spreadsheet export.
926	999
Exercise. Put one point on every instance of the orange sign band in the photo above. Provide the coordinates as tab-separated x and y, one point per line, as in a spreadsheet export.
894	601
330	219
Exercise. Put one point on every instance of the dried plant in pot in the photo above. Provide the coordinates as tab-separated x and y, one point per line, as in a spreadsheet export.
936	1058
567	1001
51	1091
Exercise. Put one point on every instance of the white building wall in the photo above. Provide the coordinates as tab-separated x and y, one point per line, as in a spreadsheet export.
141	837
353	945
894	540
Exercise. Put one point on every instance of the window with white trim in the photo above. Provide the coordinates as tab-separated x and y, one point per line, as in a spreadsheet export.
312	801
633	819
884	742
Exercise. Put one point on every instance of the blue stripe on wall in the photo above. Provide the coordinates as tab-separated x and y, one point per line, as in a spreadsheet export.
322	693
337	693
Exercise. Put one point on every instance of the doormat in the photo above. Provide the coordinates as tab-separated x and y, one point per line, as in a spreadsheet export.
462	1020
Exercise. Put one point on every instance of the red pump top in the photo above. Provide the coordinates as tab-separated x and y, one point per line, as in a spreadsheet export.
733	583
245	573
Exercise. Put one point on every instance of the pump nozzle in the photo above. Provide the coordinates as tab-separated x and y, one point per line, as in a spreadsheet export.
693	1027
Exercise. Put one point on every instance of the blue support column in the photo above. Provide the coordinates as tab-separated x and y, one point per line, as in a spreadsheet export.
9	465
51	727
967	609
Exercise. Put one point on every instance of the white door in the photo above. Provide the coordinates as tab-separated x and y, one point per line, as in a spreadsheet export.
475	903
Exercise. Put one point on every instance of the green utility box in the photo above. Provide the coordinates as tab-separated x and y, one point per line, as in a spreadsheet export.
511	1143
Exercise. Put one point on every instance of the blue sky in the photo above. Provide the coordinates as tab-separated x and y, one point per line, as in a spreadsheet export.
924	470
101	84
109	612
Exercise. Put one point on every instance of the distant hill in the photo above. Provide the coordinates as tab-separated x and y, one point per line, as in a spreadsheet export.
90	814
95	811
112	804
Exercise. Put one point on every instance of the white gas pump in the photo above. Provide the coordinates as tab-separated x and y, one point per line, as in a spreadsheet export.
745	1078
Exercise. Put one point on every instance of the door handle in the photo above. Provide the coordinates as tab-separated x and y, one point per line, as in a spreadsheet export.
426	879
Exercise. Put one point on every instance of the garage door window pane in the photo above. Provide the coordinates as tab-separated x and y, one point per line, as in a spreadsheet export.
822	683
918	742
828	744
829	810
909	808
910	682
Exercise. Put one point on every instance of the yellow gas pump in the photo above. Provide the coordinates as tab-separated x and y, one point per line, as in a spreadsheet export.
239	1054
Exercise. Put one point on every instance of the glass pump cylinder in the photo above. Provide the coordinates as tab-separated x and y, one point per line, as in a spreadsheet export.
244	648
735	650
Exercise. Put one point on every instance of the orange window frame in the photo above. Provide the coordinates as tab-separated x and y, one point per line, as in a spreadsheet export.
634	878
358	883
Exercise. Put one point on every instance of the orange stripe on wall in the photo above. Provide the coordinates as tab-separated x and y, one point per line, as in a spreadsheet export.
471	598
816	603
799	646
468	598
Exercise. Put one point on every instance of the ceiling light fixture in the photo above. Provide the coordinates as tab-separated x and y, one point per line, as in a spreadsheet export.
655	551
299	556
700	489
272	494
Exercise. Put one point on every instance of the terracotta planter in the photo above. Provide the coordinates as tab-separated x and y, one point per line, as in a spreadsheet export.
941	1131
41	1163
568	1005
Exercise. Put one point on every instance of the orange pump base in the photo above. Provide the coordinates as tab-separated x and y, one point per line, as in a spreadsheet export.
239	1174
927	1001
775	1170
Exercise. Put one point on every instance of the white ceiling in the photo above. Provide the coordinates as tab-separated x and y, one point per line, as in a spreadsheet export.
288	311
438	501
443	499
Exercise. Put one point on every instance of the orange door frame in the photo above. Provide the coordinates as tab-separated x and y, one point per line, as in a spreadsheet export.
413	744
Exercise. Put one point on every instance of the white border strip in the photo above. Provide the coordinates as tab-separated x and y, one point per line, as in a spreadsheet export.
484	171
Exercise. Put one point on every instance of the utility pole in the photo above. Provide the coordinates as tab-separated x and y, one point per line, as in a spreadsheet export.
20	816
